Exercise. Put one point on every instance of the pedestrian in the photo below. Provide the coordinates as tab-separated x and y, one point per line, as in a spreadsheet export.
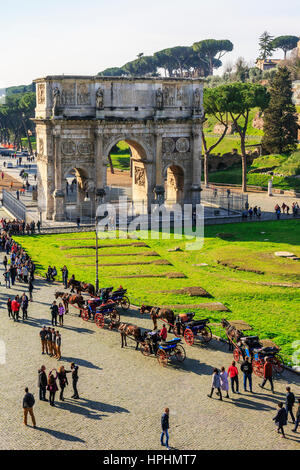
61	312
63	381
9	309
42	383
5	263
224	381
53	342
281	419
43	336
38	224
78	222
15	305
297	422
65	274
52	387
216	383
49	342
289	403
246	368
54	313
165	428
259	212
30	289
163	333
74	369
28	404
6	275
24	306
233	374
278	212
268	374
250	212
58	345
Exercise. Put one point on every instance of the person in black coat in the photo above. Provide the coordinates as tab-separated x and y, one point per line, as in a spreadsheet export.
74	370
281	419
246	368
289	403
42	383
165	428
54	313
63	381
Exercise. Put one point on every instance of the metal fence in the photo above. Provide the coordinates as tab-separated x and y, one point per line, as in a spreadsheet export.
13	205
224	199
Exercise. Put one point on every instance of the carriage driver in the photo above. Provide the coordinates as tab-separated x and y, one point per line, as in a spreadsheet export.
163	333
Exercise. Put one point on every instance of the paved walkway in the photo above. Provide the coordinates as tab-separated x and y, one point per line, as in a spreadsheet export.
123	393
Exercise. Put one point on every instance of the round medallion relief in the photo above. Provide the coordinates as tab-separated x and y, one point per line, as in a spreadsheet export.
68	147
85	147
168	145
182	145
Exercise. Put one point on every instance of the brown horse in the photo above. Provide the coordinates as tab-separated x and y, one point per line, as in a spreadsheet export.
70	299
81	286
233	334
127	330
159	313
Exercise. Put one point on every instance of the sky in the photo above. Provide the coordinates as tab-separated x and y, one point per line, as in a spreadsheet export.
83	37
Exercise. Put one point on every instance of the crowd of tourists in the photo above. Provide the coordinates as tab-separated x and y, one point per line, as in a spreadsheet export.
19	227
220	383
285	209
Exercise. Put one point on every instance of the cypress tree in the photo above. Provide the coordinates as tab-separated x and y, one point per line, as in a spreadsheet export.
280	120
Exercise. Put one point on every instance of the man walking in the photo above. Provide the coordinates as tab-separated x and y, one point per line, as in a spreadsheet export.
268	374
43	336
233	374
74	369
10	313
65	274
58	345
246	368
289	403
28	403
42	383
54	313
165	428
30	288
15	306
297	422
53	342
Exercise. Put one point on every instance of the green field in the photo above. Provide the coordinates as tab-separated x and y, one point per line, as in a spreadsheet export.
273	311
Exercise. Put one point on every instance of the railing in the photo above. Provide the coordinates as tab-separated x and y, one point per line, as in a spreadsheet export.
13	205
224	199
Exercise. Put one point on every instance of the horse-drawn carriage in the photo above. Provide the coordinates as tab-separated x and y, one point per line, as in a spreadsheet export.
251	347
118	296
168	350
99	311
192	329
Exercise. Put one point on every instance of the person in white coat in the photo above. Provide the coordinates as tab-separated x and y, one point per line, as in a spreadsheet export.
216	383
224	381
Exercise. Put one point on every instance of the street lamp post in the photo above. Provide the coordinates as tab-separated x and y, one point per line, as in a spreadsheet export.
97	263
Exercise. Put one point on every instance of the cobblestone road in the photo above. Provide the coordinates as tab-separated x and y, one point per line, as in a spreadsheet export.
123	393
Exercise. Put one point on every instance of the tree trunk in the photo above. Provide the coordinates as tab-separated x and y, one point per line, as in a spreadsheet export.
244	165
205	169
28	137
111	165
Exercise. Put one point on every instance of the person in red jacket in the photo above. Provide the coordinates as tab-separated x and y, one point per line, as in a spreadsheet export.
233	374
163	333
15	306
268	374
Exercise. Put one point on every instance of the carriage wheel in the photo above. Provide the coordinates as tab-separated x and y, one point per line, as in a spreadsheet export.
278	364
145	349
99	320
162	357
85	314
114	316
206	334
237	355
189	337
125	304
258	368
180	353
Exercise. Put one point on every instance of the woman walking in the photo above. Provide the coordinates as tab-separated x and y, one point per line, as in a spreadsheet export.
224	381
52	387
63	381
281	419
216	383
61	312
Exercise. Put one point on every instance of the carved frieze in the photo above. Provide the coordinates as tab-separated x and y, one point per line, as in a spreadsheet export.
168	145
41	94
67	96
85	147
68	147
182	145
41	147
139	176
83	94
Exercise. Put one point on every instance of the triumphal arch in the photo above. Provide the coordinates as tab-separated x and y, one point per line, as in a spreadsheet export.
80	118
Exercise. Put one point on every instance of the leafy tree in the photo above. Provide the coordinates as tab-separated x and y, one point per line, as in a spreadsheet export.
266	45
146	65
210	49
241	70
113	72
280	119
286	43
240	98
215	104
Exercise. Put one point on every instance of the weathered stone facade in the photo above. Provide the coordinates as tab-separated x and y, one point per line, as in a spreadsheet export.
79	119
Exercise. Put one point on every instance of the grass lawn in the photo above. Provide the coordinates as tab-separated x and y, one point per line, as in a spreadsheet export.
272	311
